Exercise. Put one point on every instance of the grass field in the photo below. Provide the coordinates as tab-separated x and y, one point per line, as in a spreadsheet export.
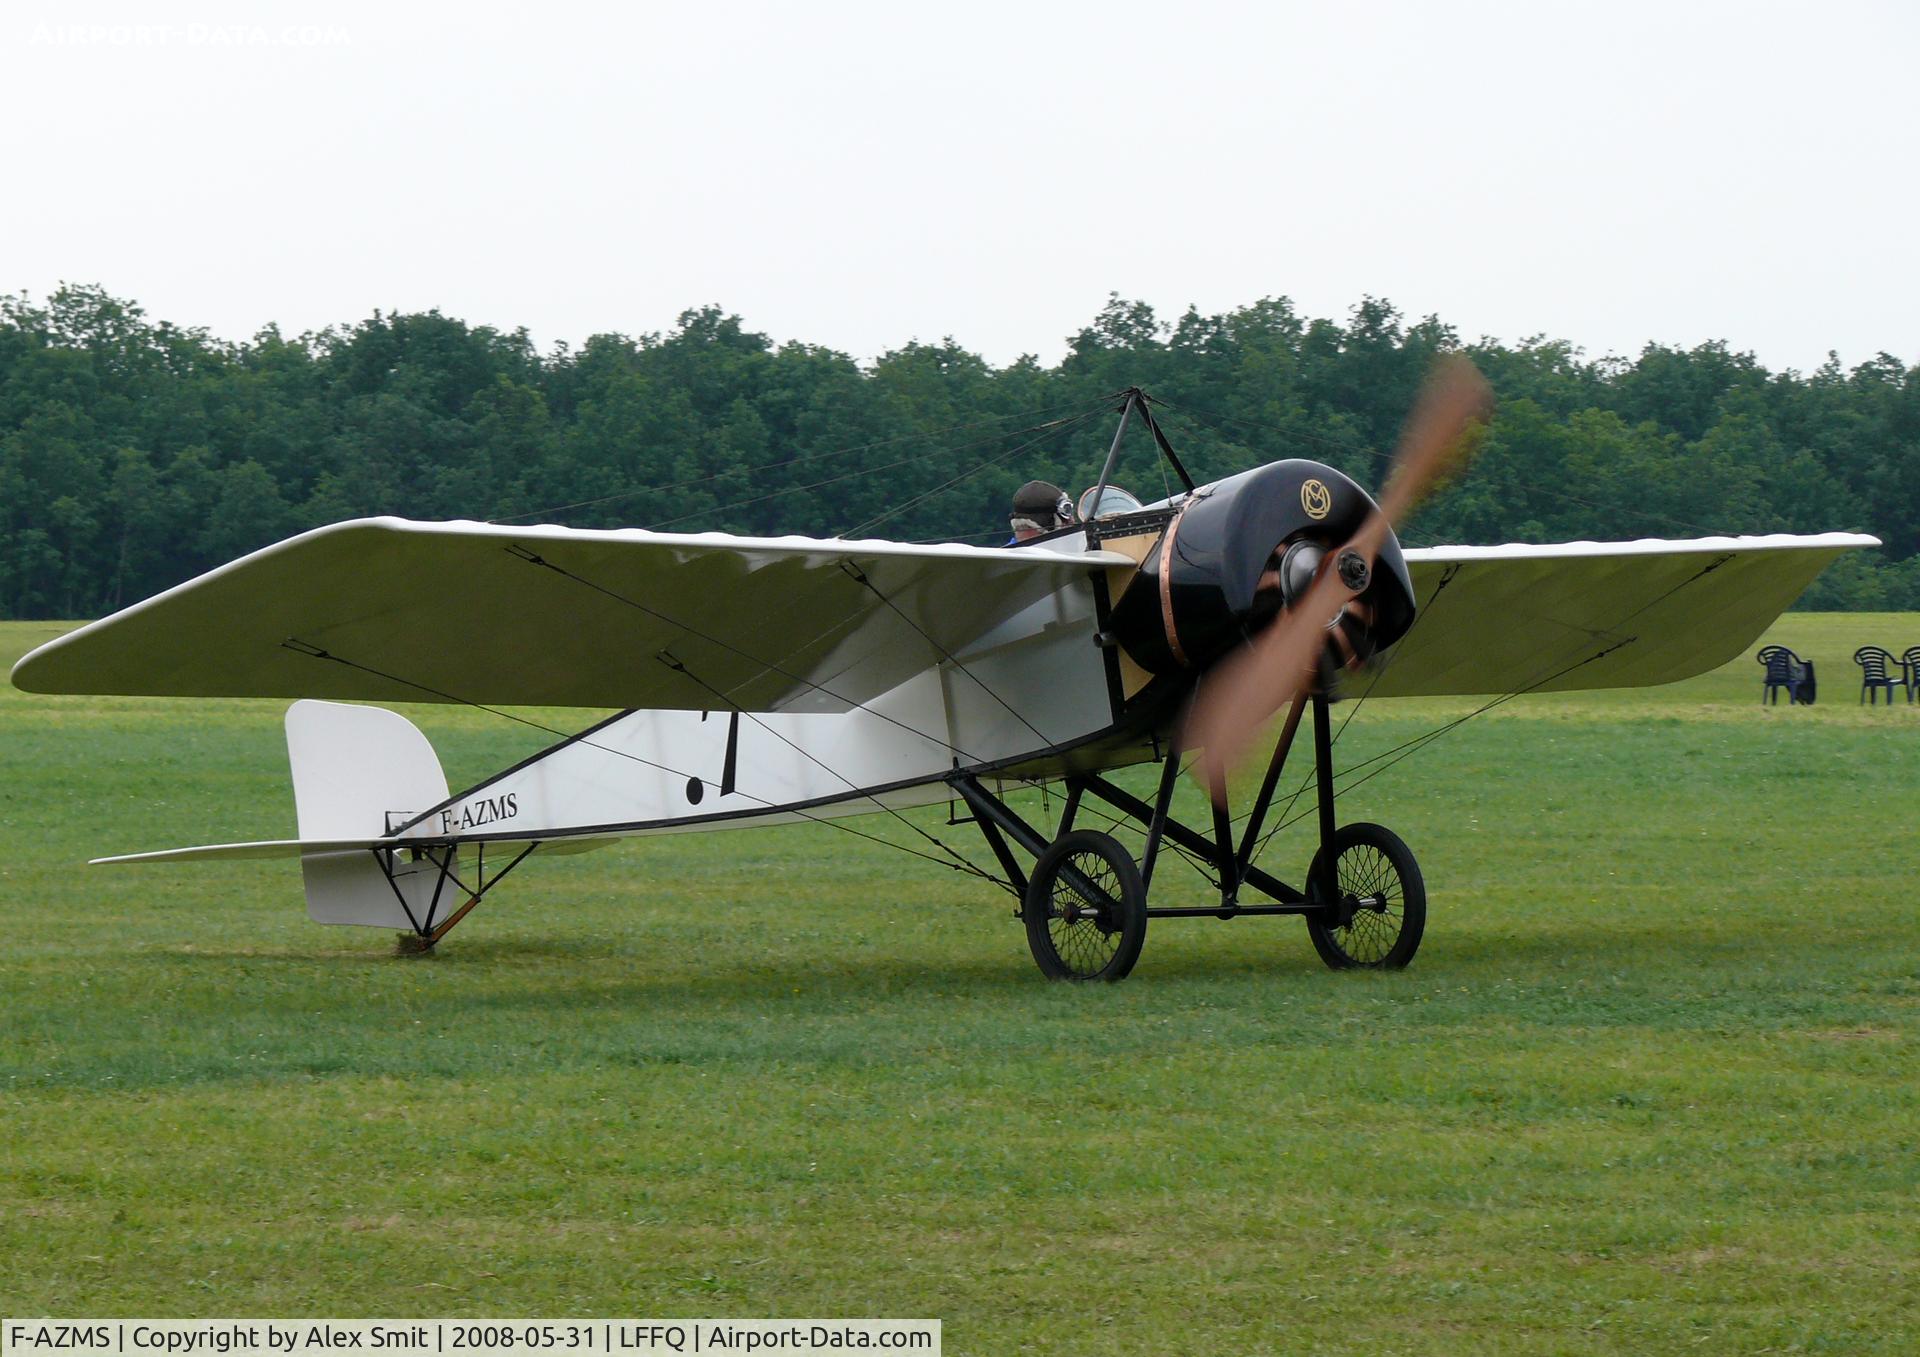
1652	1085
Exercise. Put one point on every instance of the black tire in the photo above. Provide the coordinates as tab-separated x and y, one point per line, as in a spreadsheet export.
1075	936
1382	898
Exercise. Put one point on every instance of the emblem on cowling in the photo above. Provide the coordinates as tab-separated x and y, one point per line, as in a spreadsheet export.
1315	498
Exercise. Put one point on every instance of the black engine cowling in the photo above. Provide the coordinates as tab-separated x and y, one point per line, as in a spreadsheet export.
1243	548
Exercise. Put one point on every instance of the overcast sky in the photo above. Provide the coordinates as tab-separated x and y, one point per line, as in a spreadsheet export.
859	175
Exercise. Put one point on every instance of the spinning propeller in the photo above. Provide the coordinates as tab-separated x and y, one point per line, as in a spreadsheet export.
1282	662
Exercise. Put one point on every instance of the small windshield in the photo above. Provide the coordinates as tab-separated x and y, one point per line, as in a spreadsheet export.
1113	500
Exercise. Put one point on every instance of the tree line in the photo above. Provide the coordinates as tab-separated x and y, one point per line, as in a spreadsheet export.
135	453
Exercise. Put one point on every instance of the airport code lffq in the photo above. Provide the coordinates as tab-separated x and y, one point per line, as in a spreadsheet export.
463	1337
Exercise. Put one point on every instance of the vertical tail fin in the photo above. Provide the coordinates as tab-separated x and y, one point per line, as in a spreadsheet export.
352	766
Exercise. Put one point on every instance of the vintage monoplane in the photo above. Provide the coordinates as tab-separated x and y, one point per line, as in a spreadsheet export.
770	680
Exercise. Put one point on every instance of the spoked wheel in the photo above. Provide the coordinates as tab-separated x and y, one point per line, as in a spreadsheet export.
1380	906
1085	908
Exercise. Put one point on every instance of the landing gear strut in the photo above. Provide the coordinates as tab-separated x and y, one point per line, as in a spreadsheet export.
1085	905
428	924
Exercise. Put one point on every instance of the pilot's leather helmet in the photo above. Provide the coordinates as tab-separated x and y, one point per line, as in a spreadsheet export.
1040	507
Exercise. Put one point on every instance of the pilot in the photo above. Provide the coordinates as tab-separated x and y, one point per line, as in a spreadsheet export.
1039	507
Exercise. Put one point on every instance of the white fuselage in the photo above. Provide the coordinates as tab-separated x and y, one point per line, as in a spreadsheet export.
1032	684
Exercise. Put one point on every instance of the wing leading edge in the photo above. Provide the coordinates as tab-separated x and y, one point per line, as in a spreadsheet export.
1574	615
391	610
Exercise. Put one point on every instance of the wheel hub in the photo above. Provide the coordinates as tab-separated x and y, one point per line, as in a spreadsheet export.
1341	913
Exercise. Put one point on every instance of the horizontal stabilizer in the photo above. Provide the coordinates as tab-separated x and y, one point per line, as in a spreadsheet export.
357	771
295	848
263	848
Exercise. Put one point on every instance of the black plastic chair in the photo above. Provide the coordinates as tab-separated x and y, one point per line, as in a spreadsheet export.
1785	671
1910	661
1874	662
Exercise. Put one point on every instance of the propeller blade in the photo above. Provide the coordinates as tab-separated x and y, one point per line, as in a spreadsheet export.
1244	690
1455	394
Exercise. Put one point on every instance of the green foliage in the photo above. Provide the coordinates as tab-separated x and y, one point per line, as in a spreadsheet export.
135	454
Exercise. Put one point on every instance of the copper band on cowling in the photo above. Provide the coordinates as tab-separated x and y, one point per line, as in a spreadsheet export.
1166	589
